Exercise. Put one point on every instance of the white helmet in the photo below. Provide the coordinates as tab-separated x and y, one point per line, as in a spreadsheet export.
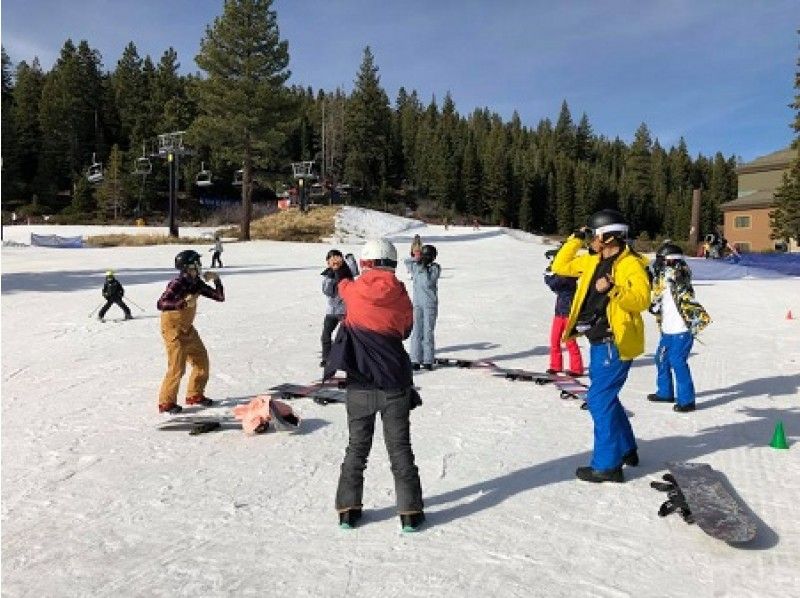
380	252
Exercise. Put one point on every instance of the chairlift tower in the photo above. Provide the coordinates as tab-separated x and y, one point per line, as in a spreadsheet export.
170	146
302	172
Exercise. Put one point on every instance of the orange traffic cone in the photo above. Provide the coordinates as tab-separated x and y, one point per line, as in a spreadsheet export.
789	315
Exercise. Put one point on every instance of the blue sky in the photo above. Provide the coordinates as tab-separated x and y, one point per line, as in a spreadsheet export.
718	72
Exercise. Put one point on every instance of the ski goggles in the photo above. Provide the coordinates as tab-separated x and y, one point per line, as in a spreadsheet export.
591	233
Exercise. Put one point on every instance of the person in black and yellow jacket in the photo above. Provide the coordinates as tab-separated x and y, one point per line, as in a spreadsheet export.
613	289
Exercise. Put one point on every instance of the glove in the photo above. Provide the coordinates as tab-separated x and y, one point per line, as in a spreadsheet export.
580	234
343	272
209	276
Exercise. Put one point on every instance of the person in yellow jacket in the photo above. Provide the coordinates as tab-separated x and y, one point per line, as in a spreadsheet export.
178	305
613	289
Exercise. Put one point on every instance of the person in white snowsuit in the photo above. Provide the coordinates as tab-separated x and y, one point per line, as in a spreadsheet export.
425	275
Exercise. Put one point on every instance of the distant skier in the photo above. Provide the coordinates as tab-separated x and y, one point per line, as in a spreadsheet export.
369	348
216	257
425	275
178	305
113	292
564	288
680	318
612	291
335	309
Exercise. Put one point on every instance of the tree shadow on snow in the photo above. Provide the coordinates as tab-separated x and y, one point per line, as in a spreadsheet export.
80	280
775	386
753	433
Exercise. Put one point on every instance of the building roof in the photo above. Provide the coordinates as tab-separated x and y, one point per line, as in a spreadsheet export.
774	161
758	199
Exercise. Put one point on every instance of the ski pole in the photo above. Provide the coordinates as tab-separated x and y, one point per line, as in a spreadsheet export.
136	304
91	313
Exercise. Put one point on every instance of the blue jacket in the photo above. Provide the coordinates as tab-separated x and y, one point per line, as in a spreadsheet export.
564	288
426	283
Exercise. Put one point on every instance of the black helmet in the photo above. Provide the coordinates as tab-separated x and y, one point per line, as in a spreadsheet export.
186	258
608	224
428	253
669	251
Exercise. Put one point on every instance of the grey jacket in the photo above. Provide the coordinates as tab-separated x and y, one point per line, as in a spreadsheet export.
335	306
426	282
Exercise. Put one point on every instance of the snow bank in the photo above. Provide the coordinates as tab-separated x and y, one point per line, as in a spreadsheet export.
355	225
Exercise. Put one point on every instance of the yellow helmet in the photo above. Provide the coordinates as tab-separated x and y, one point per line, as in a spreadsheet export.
109	273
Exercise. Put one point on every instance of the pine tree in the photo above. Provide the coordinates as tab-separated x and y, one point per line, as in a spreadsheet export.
10	144
472	179
367	129
637	190
565	195
785	218
565	132
130	94
113	193
243	103
70	117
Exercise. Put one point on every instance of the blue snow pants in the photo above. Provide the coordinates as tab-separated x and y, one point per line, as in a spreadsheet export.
672	356
613	435
422	342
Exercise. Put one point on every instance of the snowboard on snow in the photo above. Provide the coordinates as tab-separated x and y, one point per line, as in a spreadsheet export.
199	424
569	386
322	393
701	495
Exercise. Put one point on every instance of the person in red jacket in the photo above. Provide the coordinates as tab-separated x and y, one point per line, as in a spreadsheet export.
369	349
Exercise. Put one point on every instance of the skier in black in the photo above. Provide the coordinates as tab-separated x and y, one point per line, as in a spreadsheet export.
113	292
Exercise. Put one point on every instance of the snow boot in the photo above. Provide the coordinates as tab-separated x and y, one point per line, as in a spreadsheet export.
411	522
631	458
552	371
349	518
659	399
428	366
415	366
171	408
587	474
684	408
199	400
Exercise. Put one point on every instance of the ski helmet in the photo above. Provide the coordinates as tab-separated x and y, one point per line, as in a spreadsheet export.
186	258
670	251
428	253
109	274
379	253
608	224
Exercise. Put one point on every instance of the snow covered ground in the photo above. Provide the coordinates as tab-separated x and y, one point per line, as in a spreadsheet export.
97	501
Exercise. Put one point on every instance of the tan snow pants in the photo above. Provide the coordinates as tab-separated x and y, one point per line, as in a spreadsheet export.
183	344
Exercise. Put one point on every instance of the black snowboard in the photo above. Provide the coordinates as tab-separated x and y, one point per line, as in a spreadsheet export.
198	424
320	393
700	494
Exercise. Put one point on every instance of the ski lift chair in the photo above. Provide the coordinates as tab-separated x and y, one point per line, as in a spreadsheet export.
95	173
143	166
203	178
238	177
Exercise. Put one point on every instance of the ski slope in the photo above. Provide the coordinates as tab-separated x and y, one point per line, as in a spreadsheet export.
96	501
